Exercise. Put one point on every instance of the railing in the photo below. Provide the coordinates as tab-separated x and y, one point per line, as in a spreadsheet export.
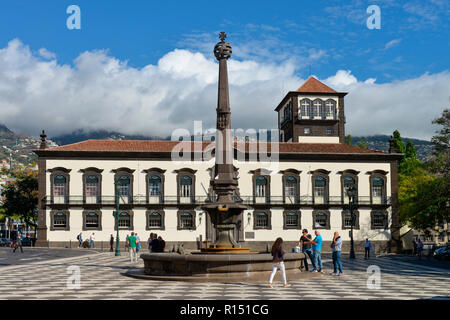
74	200
317	117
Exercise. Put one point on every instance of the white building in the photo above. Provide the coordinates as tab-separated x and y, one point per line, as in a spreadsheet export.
305	188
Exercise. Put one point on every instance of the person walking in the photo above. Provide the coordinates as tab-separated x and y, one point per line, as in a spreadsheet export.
306	248
111	243
419	249
278	263
132	247
336	247
80	240
18	243
126	242
367	247
317	251
91	241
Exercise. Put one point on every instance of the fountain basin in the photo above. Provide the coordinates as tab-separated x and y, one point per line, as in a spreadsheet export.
174	264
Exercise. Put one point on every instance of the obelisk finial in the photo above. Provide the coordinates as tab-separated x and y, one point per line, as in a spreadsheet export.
222	50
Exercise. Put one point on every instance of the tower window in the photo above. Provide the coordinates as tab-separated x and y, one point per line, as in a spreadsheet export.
329	131
307	130
306	108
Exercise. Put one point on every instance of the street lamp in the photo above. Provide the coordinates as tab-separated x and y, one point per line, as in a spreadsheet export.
351	193
116	215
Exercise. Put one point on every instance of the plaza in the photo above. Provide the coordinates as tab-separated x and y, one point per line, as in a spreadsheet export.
102	277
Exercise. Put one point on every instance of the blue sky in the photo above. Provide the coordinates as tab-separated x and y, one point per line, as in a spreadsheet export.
278	40
142	31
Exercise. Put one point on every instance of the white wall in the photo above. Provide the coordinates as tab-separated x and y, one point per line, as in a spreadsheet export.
202	176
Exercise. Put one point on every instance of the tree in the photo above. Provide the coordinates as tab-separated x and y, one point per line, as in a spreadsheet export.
398	142
441	141
410	151
424	189
362	144
21	197
348	139
410	162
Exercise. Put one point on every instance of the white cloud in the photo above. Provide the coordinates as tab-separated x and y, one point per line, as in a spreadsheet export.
100	92
392	43
44	53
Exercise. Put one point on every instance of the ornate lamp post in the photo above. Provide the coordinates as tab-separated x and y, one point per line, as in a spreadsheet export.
351	193
116	215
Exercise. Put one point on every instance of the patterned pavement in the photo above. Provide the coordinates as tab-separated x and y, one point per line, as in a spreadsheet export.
101	277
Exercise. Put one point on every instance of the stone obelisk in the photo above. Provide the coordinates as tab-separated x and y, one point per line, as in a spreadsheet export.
224	211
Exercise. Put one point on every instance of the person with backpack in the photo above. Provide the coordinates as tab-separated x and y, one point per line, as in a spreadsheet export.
278	263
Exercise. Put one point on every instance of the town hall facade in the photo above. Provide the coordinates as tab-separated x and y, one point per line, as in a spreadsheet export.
307	190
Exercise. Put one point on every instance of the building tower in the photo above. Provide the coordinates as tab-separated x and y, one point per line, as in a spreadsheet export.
312	114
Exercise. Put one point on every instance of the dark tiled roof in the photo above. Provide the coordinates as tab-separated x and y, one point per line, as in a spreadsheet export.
167	146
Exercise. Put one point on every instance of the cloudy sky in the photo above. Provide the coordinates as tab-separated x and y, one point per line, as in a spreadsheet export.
147	69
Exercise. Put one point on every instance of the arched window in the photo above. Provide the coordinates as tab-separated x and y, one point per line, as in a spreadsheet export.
154	220
305	109
330	109
154	188
261	220
290	189
92	220
378	191
186	193
261	189
347	182
317	107
124	187
320	184
186	220
92	188
124	220
60	220
59	188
